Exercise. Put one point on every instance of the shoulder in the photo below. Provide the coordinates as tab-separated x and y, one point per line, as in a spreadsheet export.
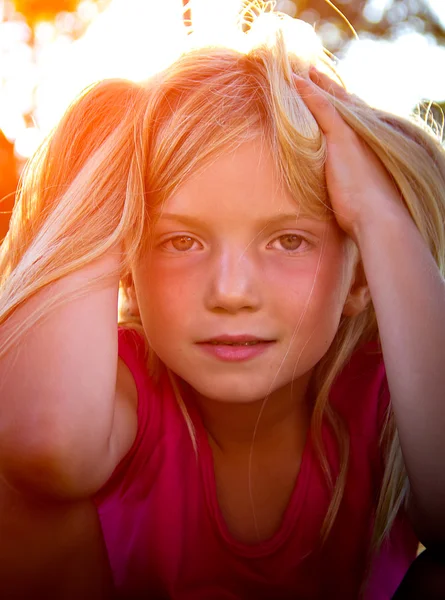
129	367
135	397
360	391
365	367
130	378
153	400
133	379
132	349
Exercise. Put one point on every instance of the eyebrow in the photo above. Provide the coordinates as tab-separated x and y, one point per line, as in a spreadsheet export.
278	218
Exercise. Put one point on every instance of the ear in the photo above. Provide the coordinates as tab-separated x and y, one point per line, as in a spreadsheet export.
131	298
359	295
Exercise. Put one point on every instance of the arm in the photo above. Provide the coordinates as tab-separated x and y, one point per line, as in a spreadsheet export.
63	425
408	293
50	550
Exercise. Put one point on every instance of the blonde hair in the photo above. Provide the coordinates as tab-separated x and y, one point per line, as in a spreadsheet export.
122	149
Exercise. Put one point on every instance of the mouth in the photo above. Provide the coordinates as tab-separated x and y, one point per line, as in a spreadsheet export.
236	340
235	348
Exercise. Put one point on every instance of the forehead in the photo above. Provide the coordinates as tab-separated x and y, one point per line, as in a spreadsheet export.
238	185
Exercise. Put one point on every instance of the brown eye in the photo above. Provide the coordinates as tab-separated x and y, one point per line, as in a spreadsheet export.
182	243
290	241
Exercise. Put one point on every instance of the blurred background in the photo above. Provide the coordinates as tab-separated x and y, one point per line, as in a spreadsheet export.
51	49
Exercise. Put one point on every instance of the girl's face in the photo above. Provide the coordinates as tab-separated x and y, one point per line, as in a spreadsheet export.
240	295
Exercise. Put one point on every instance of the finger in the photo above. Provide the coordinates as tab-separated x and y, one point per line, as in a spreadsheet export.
323	110
329	85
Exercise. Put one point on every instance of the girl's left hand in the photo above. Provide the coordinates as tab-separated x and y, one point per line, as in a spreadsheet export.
358	183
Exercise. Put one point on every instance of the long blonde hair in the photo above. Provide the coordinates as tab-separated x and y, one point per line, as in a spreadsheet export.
122	149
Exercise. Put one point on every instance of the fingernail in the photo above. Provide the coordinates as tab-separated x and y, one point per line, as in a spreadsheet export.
313	74
301	80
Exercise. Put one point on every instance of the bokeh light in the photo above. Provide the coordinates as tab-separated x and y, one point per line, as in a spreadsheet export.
44	67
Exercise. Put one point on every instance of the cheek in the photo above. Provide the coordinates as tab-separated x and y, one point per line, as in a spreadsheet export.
306	284
166	299
313	301
170	290
326	307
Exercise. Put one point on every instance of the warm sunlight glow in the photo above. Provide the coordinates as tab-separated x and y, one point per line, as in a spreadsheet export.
211	30
130	40
134	39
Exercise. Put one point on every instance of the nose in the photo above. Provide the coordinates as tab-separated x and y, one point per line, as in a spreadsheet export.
233	283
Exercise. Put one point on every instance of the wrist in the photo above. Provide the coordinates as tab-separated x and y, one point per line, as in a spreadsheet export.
379	221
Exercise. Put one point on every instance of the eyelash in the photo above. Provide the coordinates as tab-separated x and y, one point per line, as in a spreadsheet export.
178	237
301	239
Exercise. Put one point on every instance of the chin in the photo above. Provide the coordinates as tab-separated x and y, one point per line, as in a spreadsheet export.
235	393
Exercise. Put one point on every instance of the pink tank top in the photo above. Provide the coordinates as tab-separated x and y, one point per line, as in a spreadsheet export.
165	534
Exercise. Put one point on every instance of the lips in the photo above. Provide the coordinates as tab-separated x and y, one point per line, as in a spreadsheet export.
236	340
235	348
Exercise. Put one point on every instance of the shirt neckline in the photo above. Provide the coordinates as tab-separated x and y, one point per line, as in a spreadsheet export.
291	514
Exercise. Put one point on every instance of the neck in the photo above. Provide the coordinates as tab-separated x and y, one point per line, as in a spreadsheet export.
232	427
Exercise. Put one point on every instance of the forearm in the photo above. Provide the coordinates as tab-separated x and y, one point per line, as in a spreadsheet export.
51	550
408	293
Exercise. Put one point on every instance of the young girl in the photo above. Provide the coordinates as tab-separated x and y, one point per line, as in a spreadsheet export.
279	251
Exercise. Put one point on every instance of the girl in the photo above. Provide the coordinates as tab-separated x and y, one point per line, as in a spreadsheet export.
267	421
